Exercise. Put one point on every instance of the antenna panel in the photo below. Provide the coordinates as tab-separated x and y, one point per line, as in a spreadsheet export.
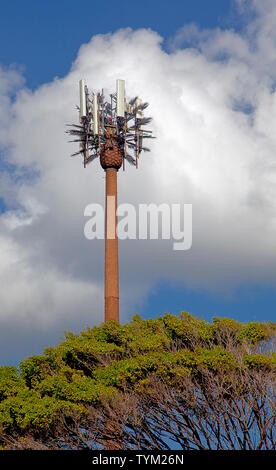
139	112
82	99
120	85
95	114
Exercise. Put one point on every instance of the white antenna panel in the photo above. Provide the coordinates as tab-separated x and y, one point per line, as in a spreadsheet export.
129	108
120	84
95	114
82	99
139	112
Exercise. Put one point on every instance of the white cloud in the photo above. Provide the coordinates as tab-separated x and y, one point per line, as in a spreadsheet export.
214	115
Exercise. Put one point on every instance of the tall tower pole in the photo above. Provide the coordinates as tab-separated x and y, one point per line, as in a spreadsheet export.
110	130
111	294
111	158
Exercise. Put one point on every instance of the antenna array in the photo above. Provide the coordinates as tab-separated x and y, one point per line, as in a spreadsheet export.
101	119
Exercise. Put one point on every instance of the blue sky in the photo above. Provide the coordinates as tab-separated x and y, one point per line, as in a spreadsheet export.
227	162
44	37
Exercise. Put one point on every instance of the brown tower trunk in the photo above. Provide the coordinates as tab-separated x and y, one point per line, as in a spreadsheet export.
111	248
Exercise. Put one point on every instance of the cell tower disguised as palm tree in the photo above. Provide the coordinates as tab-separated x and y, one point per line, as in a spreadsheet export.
112	130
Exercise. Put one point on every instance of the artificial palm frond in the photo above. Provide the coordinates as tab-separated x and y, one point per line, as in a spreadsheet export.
144	121
143	106
91	158
131	145
130	116
133	101
145	136
76	153
130	159
73	125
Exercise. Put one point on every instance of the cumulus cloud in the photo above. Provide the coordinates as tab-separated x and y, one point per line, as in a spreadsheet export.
213	102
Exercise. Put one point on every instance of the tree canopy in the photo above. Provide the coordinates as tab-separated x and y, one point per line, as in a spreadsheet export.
174	382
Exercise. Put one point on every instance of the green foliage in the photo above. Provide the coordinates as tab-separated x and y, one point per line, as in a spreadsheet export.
129	372
216	359
79	389
260	361
103	362
255	332
180	329
29	411
225	330
86	352
35	368
10	382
